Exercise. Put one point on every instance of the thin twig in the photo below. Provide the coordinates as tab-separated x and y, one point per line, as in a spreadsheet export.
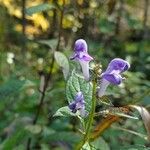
42	97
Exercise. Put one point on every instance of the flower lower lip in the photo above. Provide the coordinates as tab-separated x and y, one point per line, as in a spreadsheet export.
113	74
78	104
113	78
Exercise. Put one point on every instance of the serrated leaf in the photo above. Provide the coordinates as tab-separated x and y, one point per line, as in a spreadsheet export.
51	43
39	8
62	61
75	84
64	111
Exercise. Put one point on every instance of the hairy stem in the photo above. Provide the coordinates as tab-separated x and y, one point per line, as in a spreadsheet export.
90	120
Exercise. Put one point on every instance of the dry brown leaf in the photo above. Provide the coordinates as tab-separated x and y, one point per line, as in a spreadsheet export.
145	117
104	124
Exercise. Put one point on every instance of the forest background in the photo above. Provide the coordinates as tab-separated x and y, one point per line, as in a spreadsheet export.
28	37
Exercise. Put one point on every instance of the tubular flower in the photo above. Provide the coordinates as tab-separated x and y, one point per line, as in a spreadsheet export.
81	55
113	74
78	104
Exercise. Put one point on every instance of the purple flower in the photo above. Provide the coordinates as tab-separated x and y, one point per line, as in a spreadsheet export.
113	74
81	55
78	104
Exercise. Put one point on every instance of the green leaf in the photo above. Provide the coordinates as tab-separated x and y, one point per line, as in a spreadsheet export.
34	129
11	87
51	43
44	146
70	137
86	146
133	23
131	132
47	131
121	111
20	147
100	144
75	84
13	140
106	26
62	61
39	8
105	100
133	147
125	115
64	111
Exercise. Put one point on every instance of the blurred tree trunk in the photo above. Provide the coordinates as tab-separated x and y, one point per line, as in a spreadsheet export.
145	18
54	20
119	15
111	6
146	5
23	25
82	9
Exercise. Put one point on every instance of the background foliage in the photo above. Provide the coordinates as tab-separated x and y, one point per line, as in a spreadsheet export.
29	37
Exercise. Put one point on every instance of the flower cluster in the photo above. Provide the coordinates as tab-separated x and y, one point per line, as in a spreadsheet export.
112	75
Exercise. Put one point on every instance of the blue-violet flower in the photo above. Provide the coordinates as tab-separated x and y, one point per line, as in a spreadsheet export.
113	74
78	104
81	55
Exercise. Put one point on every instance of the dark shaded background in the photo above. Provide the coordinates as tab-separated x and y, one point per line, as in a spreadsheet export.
112	28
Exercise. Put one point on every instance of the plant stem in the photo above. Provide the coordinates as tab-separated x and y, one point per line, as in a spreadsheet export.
90	119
